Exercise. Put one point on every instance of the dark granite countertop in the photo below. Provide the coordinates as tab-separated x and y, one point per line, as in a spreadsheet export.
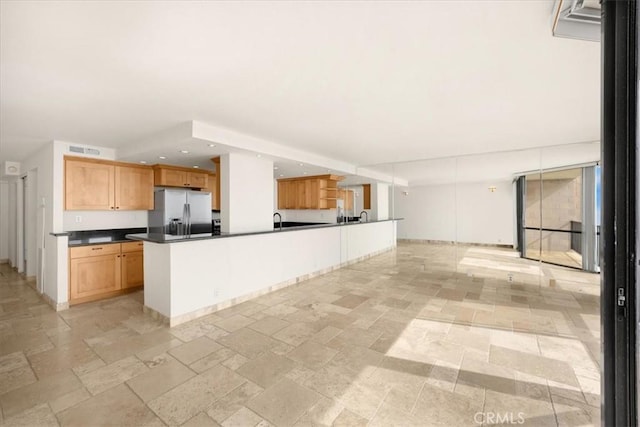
98	237
168	238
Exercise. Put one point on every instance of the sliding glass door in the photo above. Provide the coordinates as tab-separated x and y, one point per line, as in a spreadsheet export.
559	217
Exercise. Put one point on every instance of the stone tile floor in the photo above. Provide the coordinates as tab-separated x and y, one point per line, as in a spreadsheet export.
424	335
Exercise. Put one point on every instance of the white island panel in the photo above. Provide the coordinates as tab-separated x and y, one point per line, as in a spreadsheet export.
186	280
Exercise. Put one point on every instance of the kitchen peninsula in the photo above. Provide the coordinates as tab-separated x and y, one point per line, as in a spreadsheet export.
191	276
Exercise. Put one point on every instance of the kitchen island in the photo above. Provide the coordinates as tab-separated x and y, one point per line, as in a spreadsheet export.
187	277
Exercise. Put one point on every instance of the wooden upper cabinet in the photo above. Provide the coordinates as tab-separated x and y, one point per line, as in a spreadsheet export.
316	192
176	176
92	184
134	188
170	177
197	179
213	187
88	185
366	196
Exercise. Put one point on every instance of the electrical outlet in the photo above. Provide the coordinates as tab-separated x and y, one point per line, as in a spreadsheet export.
510	277
78	218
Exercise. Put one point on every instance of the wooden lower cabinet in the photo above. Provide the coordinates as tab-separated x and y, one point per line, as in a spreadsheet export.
102	271
132	265
92	276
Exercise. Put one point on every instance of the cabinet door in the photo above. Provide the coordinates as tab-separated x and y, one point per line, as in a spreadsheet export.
93	276
366	196
197	180
211	188
170	178
88	185
134	188
282	195
313	193
132	269
301	194
292	195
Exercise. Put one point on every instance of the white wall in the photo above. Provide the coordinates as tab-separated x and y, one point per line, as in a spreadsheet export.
247	193
465	213
101	220
379	201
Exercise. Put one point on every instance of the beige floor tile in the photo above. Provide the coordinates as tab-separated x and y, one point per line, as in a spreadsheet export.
234	362
40	416
284	402
112	375
266	369
60	359
349	419
201	420
43	391
116	406
440	407
296	333
322	413
539	366
223	408
212	359
247	342
69	400
186	400
326	334
312	354
534	412
15	372
269	325
243	418
194	350
235	322
350	301
131	345
159	380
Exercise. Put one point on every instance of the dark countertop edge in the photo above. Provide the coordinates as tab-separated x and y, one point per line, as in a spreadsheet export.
144	236
74	245
61	234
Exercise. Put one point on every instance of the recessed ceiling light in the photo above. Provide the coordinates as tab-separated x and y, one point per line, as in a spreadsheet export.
212	145
184	151
258	155
143	162
301	164
196	167
328	170
162	157
281	175
306	173
275	168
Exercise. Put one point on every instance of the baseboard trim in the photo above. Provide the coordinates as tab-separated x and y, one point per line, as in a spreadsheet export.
56	306
4	261
451	242
187	317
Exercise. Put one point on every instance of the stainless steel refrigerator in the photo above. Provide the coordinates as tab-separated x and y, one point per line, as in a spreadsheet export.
180	212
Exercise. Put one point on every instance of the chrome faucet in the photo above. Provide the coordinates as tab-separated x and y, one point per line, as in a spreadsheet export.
279	216
367	216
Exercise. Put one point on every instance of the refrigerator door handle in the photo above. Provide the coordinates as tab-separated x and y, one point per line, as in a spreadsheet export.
188	219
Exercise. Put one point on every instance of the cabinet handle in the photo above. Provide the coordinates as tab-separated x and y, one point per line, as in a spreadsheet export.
118	256
110	207
96	249
124	255
117	207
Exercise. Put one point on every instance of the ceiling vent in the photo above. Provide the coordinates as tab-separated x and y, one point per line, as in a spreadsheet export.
577	19
82	150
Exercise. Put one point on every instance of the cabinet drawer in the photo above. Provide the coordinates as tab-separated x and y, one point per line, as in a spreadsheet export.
94	250
132	246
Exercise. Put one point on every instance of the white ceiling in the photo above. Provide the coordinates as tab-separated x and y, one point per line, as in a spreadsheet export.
359	82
